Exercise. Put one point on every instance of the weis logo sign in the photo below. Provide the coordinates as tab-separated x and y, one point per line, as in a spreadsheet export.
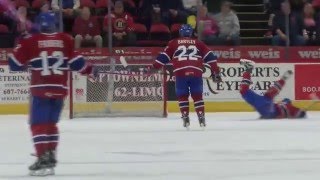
264	54
228	53
315	54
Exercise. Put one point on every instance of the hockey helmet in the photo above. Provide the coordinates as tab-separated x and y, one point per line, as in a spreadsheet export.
186	30
46	22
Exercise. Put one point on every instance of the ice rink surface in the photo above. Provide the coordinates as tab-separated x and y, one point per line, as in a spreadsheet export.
234	146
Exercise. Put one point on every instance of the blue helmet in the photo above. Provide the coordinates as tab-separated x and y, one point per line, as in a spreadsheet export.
186	30
46	22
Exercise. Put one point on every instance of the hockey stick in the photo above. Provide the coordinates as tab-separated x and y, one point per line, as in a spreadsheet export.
124	63
138	73
315	100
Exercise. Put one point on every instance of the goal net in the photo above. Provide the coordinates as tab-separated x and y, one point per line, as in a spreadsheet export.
119	91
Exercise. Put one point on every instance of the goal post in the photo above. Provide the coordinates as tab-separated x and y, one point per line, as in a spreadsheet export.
135	93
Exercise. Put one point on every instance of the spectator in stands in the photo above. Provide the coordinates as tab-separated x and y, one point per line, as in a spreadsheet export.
45	8
297	35
297	5
191	6
273	7
150	12
172	12
87	29
6	20
229	27
70	7
121	23
24	25
7	28
310	24
130	6
70	11
208	27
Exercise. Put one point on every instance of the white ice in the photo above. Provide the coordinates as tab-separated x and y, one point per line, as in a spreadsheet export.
234	146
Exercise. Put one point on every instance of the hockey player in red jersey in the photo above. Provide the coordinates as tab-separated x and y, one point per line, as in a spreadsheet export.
265	104
187	56
49	56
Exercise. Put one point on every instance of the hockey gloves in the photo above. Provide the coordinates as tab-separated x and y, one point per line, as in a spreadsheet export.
93	76
216	77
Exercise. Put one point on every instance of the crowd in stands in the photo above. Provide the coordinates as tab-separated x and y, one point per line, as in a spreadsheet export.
155	22
303	22
133	22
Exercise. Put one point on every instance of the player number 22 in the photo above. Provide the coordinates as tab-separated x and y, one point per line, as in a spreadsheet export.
184	55
58	55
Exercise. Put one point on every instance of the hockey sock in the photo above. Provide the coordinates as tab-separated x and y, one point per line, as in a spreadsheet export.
245	83
294	112
289	111
184	104
53	136
198	104
39	137
275	89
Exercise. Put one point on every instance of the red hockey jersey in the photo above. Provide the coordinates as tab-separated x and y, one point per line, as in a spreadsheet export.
187	56
120	23
49	57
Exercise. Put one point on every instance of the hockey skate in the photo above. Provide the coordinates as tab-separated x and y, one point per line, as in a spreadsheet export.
248	64
42	167
186	120
287	75
52	158
202	120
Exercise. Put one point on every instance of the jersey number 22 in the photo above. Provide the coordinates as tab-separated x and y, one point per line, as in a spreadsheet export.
188	52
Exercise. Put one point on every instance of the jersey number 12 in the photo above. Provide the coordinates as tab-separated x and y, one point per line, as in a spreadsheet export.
58	55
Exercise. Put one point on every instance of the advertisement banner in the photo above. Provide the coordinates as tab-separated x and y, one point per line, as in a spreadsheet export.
306	80
224	53
263	77
126	87
305	54
14	86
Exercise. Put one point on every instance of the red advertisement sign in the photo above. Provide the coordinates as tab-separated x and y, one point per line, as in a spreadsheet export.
303	54
307	80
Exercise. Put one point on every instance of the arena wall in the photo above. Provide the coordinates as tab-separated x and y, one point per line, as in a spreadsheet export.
271	63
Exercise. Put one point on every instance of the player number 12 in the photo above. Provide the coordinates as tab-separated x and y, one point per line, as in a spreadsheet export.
58	55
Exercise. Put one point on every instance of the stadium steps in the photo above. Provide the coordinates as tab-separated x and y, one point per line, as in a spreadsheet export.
252	32
253	22
247	1
252	41
249	7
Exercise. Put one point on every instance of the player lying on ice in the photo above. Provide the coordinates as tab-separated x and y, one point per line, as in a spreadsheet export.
187	56
49	56
265	104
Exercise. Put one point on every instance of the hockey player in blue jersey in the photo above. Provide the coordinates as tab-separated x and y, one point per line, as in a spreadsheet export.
265	104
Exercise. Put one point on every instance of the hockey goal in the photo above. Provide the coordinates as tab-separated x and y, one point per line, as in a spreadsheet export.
119	91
